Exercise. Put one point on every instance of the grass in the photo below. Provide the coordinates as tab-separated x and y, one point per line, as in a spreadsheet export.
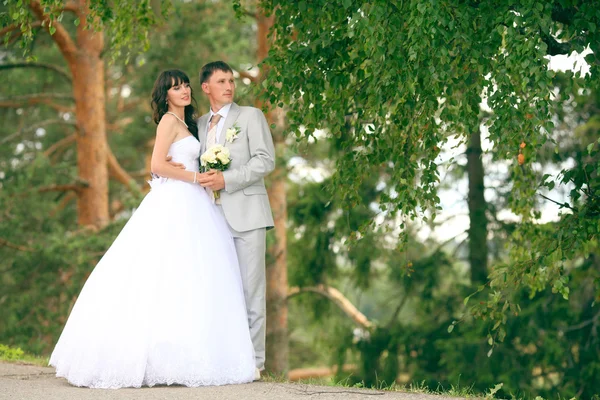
416	387
421	388
16	355
454	391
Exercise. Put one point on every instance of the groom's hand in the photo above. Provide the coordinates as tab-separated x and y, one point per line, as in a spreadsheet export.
212	179
175	164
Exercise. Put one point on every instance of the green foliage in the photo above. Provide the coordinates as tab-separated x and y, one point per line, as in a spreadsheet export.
548	255
43	275
126	23
10	353
389	65
405	76
552	347
525	341
15	354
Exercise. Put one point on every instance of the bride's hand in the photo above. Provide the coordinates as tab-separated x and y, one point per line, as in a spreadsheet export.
175	164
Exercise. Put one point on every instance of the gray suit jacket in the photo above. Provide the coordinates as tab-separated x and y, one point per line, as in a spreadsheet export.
244	200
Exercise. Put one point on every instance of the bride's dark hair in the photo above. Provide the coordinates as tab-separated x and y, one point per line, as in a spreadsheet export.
165	81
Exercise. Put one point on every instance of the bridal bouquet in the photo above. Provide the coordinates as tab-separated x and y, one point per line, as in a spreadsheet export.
217	157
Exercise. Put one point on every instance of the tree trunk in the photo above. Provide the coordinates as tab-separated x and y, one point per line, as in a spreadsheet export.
277	284
478	251
88	90
87	68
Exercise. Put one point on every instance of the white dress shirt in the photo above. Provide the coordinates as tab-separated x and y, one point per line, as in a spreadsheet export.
223	113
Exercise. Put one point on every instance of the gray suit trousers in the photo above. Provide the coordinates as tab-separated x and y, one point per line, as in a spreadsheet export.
250	247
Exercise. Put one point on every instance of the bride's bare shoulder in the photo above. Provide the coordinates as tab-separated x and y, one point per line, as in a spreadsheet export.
168	120
167	127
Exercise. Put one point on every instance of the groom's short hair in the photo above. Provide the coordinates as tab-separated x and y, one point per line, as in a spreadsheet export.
210	68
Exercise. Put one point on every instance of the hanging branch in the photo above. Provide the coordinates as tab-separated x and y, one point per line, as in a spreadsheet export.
116	171
11	28
61	143
6	243
76	187
119	125
15	35
566	205
36	126
338	298
63	203
73	187
50	67
582	325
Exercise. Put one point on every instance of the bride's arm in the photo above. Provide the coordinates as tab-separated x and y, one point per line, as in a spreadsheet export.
165	135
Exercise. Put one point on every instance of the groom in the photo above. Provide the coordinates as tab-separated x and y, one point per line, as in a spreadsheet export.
243	198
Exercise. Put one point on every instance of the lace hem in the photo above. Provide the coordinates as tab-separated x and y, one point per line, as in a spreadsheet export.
243	372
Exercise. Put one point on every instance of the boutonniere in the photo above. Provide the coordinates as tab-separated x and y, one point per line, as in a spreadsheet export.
232	133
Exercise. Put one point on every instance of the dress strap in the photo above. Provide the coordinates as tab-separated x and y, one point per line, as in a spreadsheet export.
176	116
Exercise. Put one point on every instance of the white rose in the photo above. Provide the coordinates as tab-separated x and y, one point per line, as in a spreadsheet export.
224	158
211	158
206	155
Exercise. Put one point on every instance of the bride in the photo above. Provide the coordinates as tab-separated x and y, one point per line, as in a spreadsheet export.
165	304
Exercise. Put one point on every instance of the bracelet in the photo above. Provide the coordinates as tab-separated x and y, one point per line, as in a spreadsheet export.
194	177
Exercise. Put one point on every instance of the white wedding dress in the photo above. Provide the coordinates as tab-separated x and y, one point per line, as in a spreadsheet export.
165	305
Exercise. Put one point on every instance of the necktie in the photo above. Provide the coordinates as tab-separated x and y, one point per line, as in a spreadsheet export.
211	138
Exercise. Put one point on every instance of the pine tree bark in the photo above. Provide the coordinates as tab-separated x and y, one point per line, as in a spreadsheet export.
478	251
84	57
88	90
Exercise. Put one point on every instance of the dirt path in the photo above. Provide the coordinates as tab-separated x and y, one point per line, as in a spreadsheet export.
29	382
